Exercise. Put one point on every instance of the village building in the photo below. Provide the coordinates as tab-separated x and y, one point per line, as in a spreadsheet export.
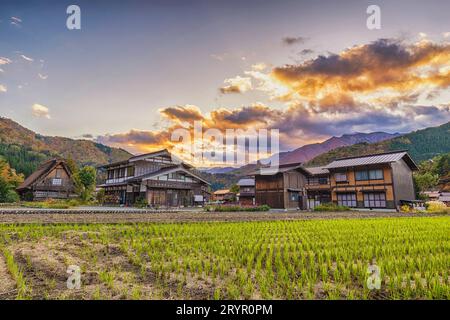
246	195
373	181
377	181
224	195
158	179
52	180
285	188
318	187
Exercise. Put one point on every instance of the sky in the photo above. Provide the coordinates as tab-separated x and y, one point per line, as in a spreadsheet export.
137	70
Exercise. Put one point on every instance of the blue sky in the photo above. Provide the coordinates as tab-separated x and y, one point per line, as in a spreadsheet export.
133	59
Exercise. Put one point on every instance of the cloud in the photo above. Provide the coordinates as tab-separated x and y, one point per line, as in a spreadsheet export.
382	64
293	40
40	111
259	66
4	61
305	52
237	85
15	21
380	86
182	114
43	77
26	58
3	88
446	34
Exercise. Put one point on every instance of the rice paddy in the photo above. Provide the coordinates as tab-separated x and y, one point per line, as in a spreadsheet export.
310	259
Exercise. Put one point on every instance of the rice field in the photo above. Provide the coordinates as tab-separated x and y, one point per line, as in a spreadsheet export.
310	259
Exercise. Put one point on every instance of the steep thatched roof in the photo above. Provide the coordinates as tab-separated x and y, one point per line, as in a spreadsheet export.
42	171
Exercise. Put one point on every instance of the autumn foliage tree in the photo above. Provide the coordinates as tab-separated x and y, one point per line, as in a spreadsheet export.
9	181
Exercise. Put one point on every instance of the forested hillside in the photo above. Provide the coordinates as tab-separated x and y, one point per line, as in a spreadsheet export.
421	145
24	149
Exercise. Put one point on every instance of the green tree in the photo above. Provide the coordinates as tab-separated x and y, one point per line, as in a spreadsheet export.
84	180
234	188
72	165
442	167
425	181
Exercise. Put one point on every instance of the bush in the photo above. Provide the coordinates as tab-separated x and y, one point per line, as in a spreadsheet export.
406	209
436	206
100	196
236	208
330	207
47	204
140	202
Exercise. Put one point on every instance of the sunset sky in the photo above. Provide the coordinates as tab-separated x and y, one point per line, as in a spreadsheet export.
138	69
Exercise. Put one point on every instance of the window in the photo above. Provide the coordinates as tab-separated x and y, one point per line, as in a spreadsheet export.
121	172
340	177
293	196
56	181
130	171
346	199
376	174
110	174
362	175
375	200
58	173
323	180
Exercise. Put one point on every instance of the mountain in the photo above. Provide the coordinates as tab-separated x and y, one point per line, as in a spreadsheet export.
310	151
25	149
421	144
216	170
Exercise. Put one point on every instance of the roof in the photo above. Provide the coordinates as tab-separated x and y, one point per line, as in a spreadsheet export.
280	169
387	157
43	170
222	191
317	170
166	171
163	152
248	182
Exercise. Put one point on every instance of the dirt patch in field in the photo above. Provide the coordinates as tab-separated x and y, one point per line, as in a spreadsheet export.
7	284
106	272
171	217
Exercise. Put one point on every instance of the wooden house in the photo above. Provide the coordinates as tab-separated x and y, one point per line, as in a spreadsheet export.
51	180
224	195
246	195
318	186
285	188
372	181
157	178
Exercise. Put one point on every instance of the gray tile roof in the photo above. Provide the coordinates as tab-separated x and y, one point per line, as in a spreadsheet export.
317	170
371	159
246	182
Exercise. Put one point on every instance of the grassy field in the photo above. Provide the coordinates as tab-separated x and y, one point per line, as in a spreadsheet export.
309	259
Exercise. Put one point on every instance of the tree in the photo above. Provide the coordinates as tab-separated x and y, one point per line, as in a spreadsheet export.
442	166
84	181
425	181
234	188
72	165
9	181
